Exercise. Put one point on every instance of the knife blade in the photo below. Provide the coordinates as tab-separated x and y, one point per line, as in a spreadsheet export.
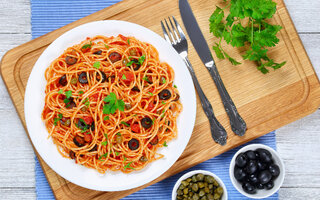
238	125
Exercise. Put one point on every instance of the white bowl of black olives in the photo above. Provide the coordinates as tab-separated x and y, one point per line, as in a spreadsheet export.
199	185
257	171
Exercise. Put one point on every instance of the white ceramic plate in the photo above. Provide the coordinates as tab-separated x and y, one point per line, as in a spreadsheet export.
90	178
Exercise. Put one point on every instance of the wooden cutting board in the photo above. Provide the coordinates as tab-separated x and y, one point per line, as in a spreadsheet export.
266	102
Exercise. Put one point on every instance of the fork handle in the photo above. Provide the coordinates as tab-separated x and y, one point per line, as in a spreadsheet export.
238	125
218	133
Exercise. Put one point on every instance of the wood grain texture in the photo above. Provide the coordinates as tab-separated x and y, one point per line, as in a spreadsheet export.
289	192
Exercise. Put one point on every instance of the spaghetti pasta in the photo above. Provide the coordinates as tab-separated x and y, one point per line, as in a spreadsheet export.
110	103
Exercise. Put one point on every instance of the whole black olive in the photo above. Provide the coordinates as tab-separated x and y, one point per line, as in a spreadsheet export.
63	80
253	178
264	155
274	170
239	174
71	60
165	94
114	57
241	160
79	141
135	89
261	166
248	188
269	185
251	167
146	122
260	186
94	148
250	155
99	52
104	76
83	78
264	177
133	144
72	154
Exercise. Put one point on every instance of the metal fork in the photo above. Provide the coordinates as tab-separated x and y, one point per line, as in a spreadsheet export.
180	44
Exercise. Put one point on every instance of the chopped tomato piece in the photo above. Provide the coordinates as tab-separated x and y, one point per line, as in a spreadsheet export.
129	77
143	104
150	106
149	146
151	89
88	120
87	137
95	96
135	128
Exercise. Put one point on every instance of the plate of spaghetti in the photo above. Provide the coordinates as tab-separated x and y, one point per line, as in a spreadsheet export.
110	105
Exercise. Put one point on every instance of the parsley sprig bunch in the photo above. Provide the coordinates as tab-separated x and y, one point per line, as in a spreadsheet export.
246	25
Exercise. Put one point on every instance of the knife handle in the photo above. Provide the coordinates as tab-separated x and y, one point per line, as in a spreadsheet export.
218	133
238	125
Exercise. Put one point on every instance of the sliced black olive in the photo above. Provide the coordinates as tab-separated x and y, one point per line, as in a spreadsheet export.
82	125
136	65
99	52
63	80
155	141
72	154
135	89
71	104
94	148
165	94
133	144
104	76
177	97
93	126
146	122
114	57
83	78
71	60
79	141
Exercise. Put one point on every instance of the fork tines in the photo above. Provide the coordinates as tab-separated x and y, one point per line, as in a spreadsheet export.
169	30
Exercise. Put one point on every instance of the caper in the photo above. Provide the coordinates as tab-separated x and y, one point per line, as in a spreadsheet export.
190	194
195	197
205	184
181	187
204	198
185	191
209	179
206	190
67	122
185	196
219	190
210	186
179	197
194	178
201	184
201	193
189	180
74	81
125	61
216	196
185	183
119	139
215	183
143	159
210	197
200	177
195	187
84	109
179	192
132	52
128	106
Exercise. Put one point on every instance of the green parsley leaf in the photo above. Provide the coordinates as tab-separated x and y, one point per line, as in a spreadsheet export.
103	156
117	153
106	118
68	94
81	92
104	143
55	120
142	59
124	77
175	86
60	91
165	144
154	119
128	41
87	46
163	80
112	104
119	134
96	65
145	78
128	166
151	94
106	46
124	123
164	103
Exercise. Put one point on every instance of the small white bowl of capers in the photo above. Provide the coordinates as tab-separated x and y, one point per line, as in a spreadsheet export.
199	185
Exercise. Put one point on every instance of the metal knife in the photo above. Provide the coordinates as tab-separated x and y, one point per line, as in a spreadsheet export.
238	125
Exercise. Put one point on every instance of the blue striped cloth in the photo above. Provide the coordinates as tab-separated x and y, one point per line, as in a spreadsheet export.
48	15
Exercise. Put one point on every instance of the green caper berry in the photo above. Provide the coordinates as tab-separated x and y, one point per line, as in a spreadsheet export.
185	191
216	196
206	190
189	180
179	192
201	193
201	184
194	178
200	177
195	197
181	187
210	197
219	190
185	183
210	186
195	187
74	81
215	183
119	139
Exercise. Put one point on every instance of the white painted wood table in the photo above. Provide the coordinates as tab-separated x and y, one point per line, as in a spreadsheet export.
298	143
